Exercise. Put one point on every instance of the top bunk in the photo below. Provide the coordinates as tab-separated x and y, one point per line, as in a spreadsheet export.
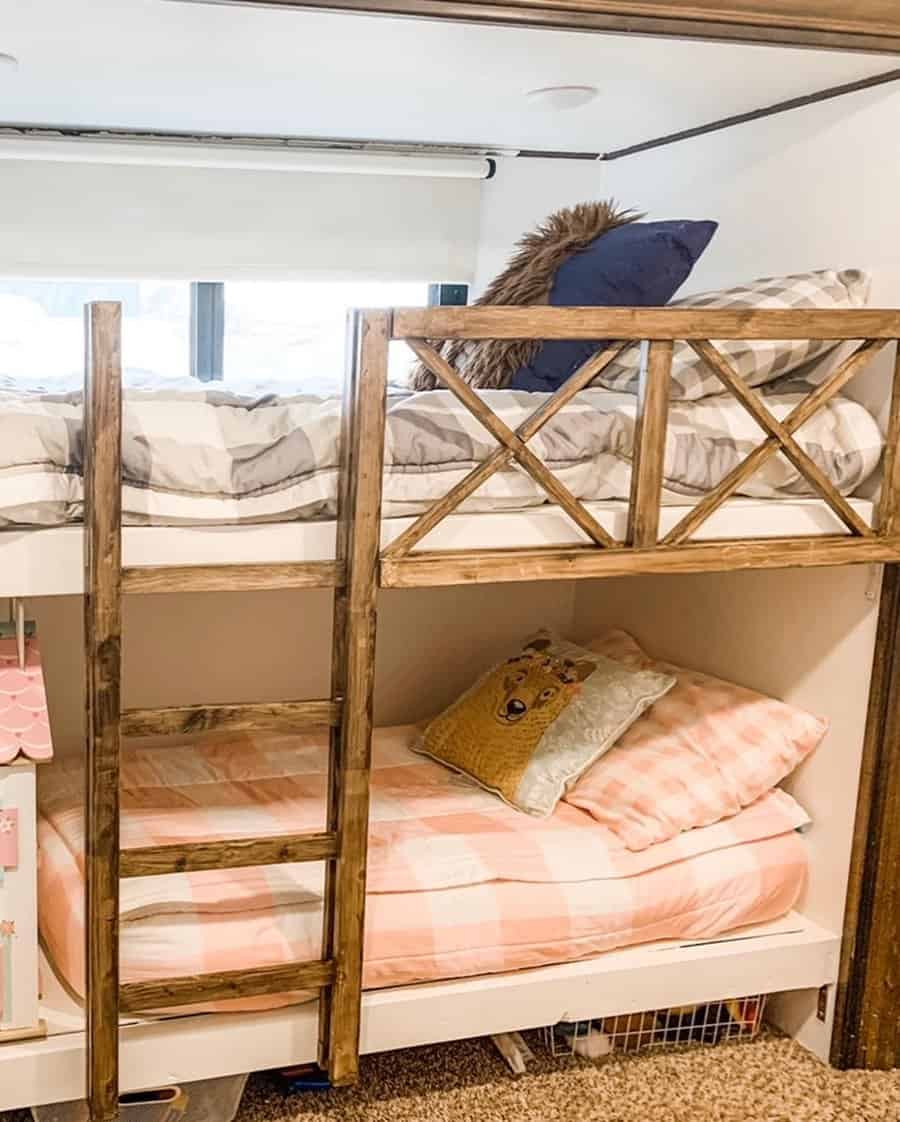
567	537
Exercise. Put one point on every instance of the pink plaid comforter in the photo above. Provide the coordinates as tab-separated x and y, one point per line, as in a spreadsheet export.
459	883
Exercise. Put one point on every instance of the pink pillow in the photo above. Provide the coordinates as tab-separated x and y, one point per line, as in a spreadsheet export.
702	752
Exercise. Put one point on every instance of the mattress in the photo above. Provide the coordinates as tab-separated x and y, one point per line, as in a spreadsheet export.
195	453
459	884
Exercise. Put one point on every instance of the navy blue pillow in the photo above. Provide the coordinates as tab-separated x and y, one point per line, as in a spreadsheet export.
642	264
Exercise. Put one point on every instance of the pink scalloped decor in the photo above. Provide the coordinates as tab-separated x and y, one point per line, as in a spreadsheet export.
24	721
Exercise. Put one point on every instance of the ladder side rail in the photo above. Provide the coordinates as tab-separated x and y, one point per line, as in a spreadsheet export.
353	667
102	456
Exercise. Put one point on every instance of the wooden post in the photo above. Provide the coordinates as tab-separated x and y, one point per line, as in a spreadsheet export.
866	1030
649	449
358	546
338	666
102	653
889	507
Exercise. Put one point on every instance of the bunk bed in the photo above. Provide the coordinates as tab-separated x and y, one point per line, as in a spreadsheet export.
792	953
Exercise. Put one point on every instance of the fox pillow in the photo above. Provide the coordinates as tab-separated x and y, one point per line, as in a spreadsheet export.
530	726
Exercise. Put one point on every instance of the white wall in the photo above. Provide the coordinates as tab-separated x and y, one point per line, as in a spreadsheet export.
812	189
815	188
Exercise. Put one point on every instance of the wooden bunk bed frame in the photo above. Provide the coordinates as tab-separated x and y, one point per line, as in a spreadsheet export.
361	567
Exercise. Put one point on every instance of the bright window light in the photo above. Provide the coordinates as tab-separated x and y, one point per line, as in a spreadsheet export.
284	335
42	326
295	331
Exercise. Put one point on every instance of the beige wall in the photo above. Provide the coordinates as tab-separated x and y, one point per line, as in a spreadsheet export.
265	646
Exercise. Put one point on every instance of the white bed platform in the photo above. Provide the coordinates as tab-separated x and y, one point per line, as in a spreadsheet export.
49	562
788	954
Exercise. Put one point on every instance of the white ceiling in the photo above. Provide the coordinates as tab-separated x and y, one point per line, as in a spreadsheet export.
158	64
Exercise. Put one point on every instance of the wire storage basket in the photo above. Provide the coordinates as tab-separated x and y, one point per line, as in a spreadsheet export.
738	1018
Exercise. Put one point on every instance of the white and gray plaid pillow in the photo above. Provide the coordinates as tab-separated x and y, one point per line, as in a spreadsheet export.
756	361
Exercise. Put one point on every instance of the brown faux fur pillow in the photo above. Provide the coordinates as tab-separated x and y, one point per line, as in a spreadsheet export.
528	278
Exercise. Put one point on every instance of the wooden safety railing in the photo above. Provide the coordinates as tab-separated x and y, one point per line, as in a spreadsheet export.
643	550
347	712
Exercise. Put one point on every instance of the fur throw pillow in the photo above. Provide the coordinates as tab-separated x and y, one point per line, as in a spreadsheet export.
527	279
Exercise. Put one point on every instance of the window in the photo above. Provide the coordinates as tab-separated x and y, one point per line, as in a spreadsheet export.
42	326
294	332
248	333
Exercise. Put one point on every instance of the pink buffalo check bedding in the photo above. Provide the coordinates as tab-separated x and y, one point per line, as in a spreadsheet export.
459	883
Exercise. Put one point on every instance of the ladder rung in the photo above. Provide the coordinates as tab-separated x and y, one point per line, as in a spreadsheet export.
193	989
231	578
157	860
277	716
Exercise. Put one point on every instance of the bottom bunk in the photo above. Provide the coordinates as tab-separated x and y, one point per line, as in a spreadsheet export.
481	919
459	884
767	631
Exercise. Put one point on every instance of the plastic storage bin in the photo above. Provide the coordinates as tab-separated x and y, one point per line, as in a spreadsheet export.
208	1100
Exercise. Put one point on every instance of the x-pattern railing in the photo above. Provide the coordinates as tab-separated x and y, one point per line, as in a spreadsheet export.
649	444
511	446
779	439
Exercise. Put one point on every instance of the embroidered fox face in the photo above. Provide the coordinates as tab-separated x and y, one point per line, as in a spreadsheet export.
537	687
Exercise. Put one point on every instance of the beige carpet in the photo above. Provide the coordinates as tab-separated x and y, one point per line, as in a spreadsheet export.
771	1080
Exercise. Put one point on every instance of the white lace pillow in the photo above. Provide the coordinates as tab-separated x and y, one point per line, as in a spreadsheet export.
756	360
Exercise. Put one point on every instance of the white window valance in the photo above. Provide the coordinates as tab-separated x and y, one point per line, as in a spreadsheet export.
70	219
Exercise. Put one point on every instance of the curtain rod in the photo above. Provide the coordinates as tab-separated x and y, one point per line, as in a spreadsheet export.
489	152
181	153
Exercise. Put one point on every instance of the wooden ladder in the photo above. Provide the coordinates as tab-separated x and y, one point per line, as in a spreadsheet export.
348	712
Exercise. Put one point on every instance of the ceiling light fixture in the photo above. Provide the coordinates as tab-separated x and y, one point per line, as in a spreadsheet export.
8	62
562	97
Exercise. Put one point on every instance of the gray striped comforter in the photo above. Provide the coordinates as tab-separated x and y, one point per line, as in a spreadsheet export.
200	454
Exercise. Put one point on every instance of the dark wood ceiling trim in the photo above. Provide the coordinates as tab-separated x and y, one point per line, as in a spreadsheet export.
863	32
872	82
